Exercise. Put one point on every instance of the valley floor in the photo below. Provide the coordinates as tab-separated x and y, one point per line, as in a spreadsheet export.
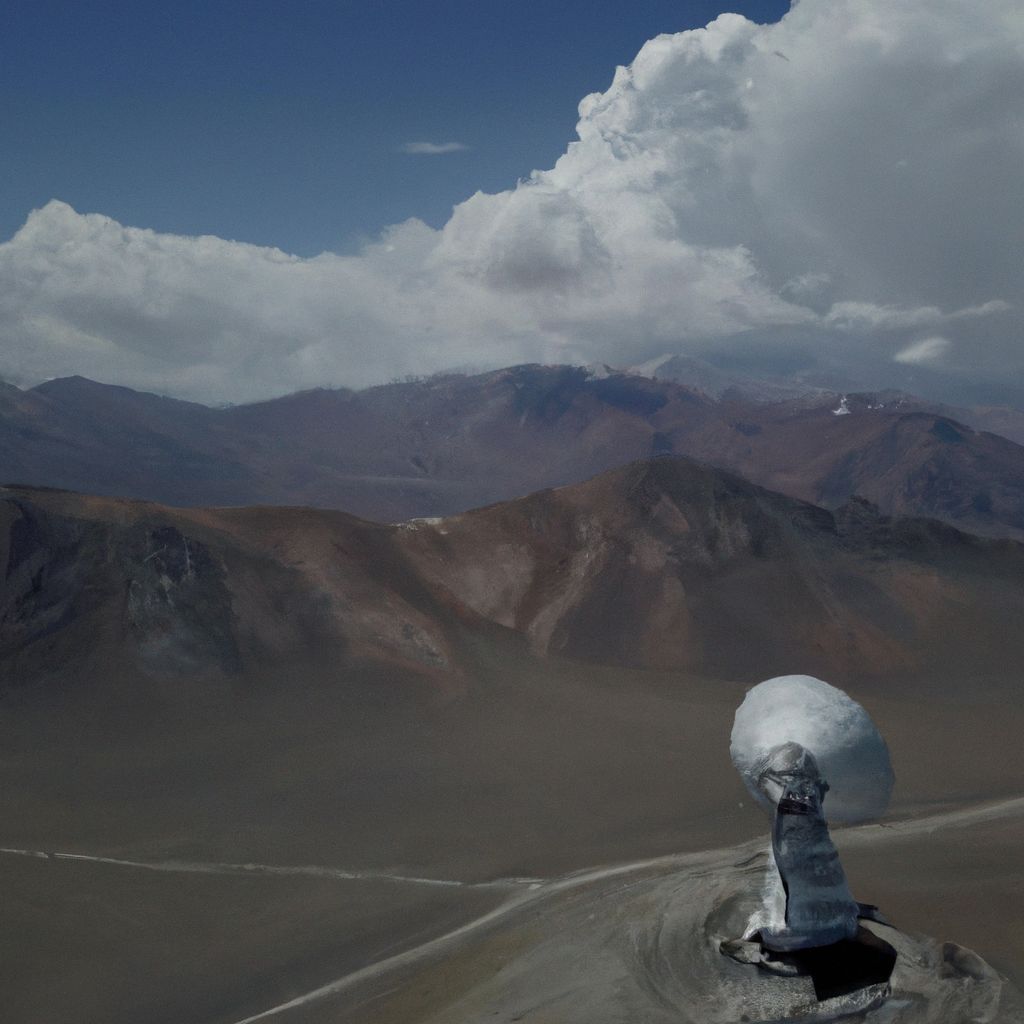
96	938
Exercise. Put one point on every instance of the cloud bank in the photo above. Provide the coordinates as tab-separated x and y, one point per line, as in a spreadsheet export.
841	189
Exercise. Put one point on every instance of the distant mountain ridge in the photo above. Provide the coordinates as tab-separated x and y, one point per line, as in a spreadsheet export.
450	443
721	383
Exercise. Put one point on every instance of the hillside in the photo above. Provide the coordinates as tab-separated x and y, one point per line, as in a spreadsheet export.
660	564
672	564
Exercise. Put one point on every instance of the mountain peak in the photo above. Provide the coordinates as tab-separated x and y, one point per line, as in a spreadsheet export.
73	382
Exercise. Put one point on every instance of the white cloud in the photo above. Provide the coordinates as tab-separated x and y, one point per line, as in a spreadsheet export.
433	148
865	316
926	350
718	197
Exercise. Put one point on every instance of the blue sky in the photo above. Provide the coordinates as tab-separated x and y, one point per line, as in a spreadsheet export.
831	189
280	123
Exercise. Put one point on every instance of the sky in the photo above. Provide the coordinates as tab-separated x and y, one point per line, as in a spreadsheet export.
282	123
227	201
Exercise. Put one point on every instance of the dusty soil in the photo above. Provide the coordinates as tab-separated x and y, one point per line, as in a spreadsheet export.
640	943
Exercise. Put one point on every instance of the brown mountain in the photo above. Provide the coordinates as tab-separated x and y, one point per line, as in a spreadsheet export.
912	462
443	445
105	589
664	564
669	563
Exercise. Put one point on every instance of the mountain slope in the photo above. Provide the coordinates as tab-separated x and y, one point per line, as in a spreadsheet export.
667	563
664	564
93	584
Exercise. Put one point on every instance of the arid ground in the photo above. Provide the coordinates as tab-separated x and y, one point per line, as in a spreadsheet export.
248	754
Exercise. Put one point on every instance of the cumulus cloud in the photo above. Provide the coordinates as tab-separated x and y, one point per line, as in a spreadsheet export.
833	189
433	148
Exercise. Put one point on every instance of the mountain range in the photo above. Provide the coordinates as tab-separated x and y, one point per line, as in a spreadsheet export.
443	445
